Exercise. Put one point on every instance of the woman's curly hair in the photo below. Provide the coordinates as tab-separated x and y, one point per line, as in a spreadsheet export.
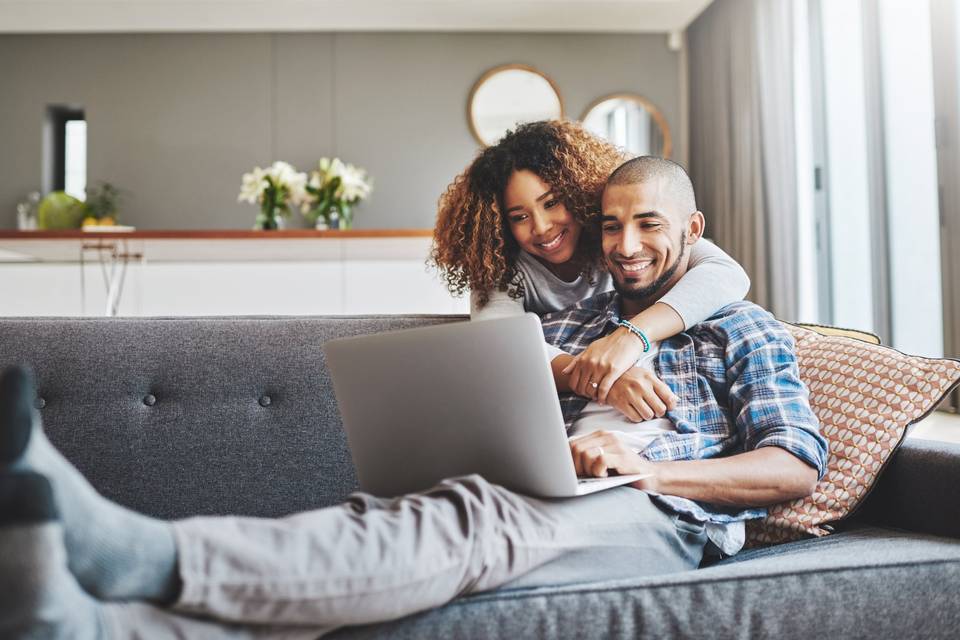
473	246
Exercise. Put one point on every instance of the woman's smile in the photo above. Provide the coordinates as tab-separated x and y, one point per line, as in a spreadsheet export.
554	244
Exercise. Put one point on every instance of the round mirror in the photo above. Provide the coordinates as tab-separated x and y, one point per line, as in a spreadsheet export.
506	96
630	122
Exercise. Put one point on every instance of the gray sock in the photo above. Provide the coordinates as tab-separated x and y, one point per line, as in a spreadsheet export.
115	553
41	599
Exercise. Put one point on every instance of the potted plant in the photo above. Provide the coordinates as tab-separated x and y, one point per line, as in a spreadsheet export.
333	189
275	189
102	205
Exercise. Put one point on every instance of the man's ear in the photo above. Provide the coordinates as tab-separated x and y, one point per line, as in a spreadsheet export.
695	227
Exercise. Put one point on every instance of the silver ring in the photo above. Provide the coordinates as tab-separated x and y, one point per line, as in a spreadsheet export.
599	452
594	384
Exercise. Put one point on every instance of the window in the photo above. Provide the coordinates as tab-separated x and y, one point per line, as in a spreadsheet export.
913	217
75	158
867	150
846	173
65	153
945	28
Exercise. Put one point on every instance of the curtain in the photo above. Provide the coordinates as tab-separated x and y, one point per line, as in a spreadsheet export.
742	140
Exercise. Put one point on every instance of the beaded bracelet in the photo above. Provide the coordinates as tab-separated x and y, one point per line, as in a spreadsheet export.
635	330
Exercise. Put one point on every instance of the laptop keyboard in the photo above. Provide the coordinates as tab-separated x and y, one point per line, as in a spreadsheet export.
593	480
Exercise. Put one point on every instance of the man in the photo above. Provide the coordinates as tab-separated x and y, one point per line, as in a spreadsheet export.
741	435
649	218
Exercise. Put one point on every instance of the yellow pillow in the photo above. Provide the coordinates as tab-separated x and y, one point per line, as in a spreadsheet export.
865	396
825	330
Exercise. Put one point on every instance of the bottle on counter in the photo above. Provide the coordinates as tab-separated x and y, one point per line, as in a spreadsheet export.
27	212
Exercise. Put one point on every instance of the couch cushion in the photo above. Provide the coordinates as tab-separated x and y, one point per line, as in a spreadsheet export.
186	416
867	583
865	396
912	492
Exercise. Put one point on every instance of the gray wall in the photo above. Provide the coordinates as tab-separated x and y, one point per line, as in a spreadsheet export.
177	119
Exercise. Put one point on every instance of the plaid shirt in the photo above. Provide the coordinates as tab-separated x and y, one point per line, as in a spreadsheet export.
737	381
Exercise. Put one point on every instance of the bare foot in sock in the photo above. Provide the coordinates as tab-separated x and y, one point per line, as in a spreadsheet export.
41	598
115	553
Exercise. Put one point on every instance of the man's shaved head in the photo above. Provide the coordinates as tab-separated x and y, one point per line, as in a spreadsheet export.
648	218
673	179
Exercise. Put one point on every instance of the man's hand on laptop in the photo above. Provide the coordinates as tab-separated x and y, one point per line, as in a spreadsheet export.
640	395
601	453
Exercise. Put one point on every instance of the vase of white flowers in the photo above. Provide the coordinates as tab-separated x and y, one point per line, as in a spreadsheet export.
332	190
275	189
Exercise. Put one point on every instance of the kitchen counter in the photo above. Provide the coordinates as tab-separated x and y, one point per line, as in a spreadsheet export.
214	234
220	272
221	245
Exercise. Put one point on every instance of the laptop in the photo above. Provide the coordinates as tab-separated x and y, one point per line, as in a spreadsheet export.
420	405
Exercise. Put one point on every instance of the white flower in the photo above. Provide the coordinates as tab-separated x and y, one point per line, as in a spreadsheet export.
330	169
252	186
354	185
282	174
295	181
297	188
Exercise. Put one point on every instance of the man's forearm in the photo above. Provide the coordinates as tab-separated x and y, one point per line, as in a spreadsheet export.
760	477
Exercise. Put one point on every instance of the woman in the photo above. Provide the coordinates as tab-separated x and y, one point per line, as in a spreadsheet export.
513	228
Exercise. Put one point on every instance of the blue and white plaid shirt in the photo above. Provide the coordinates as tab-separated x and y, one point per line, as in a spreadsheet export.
738	385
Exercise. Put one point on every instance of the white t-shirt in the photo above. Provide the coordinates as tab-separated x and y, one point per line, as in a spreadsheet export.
604	417
728	537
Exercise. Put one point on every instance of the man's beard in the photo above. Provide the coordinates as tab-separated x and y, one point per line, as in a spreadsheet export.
656	285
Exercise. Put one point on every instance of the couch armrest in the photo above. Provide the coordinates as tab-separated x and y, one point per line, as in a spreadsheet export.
917	491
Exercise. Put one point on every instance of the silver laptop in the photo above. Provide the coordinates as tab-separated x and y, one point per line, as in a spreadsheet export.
425	404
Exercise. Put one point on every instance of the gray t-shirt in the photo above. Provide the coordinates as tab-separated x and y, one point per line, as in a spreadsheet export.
712	281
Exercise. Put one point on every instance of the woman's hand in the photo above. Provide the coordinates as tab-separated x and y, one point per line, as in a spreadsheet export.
601	452
593	372
640	395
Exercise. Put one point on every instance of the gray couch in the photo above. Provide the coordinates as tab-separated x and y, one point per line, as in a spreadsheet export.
176	417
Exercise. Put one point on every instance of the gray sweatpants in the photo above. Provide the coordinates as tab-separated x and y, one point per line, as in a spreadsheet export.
373	559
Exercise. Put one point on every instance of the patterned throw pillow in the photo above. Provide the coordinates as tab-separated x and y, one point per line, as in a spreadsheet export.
865	396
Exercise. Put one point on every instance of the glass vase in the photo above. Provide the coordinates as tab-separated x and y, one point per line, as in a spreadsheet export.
335	216
345	217
270	217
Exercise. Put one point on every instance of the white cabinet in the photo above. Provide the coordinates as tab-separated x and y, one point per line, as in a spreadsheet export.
253	276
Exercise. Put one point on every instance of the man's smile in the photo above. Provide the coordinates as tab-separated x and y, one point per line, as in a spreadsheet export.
634	268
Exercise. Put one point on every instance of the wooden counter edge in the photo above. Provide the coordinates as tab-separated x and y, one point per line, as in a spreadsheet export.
214	234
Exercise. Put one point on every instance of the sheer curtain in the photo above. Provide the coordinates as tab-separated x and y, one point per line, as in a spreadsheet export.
742	142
